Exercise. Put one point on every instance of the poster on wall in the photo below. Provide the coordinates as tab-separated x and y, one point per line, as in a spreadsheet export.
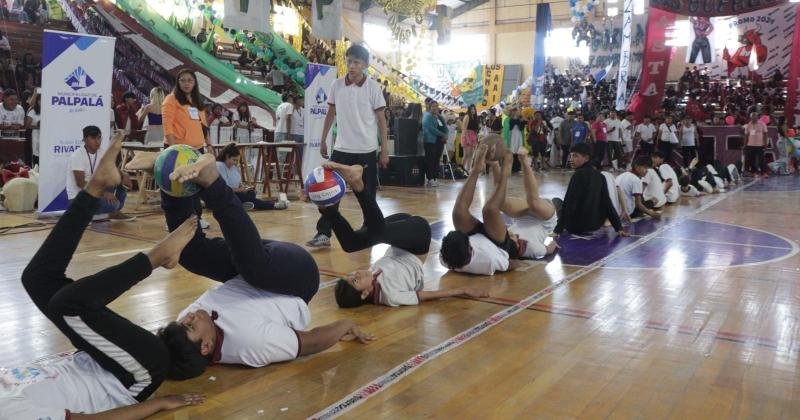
492	85
463	81
756	41
76	92
701	40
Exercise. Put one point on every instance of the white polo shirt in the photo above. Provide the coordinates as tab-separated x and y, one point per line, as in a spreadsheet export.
298	124
690	192
357	125
667	172
646	132
282	113
486	259
80	160
259	326
631	186
46	390
400	278
535	231
668	133
15	116
613	135
653	188
612	191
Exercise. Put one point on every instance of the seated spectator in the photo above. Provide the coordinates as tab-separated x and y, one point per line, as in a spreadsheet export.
12	116
126	118
32	123
5	47
228	168
218	116
587	203
81	167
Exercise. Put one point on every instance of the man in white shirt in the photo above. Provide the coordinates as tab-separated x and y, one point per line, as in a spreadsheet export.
668	176
12	116
631	188
283	116
644	135
626	128
259	313
81	168
296	131
396	278
356	103
614	132
481	247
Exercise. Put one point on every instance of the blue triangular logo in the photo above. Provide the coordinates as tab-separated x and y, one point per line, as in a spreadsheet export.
78	79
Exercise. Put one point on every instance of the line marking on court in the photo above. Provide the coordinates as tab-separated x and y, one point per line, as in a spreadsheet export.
404	369
130	251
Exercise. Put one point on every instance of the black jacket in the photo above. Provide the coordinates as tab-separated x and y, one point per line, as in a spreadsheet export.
587	204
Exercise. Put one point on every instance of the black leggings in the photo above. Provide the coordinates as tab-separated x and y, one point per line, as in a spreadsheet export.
411	233
433	155
666	149
277	267
689	153
250	196
369	176
564	156
600	153
754	159
137	358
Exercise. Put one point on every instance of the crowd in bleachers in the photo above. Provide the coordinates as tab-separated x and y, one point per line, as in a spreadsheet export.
25	11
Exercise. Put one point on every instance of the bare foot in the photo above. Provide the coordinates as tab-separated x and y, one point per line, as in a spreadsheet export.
351	174
480	157
167	252
303	196
203	171
107	174
142	161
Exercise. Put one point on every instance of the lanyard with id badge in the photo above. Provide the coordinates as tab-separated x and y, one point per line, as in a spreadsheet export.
193	113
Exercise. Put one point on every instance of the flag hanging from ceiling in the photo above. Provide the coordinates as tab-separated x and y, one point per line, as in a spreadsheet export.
543	24
251	15
326	20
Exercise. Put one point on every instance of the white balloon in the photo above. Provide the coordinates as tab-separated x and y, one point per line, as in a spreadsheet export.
300	75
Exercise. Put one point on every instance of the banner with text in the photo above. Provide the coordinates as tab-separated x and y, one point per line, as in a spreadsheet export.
624	56
492	85
792	109
543	24
713	7
655	63
319	80
76	92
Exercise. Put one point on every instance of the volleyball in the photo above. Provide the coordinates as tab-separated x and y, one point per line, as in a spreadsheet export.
324	187
167	161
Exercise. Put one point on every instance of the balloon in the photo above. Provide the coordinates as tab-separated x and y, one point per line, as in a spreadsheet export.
730	120
791	132
764	119
301	75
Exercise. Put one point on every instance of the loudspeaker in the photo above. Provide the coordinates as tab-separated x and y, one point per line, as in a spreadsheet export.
406	133
404	171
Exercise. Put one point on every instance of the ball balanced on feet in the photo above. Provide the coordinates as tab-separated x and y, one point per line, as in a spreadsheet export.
324	187
167	162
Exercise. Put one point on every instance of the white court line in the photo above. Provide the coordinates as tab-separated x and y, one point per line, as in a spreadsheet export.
373	388
130	251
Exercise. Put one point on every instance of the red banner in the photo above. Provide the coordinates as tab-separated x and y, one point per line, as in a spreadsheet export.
656	60
713	7
792	109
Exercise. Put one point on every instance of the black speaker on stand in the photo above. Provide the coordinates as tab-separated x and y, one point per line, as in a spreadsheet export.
406	134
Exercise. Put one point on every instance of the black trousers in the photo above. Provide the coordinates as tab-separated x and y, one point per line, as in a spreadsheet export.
411	233
250	196
666	149
433	155
647	148
614	151
700	44
599	152
754	159
564	155
133	355
370	177
689	153
277	267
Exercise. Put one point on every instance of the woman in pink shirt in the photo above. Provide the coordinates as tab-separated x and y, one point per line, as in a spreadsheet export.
756	134
600	137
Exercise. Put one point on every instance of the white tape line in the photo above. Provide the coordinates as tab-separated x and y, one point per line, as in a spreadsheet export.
358	397
130	251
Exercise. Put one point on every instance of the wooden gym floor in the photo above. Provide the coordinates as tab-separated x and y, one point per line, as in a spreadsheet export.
696	316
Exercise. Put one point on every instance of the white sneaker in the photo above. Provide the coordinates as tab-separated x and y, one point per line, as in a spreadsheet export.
99	217
204	224
434	183
319	241
282	204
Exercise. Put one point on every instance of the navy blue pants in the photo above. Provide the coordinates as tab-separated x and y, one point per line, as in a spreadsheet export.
277	267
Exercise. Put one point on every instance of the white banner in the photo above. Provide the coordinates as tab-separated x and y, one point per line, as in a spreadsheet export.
701	40
319	80
76	92
252	15
624	56
326	19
